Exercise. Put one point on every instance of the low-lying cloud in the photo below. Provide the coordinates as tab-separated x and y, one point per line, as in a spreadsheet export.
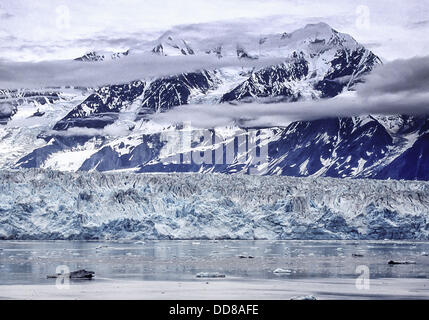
282	114
398	87
136	67
398	77
113	130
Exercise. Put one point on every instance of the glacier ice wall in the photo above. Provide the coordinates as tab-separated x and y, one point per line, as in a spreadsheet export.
44	204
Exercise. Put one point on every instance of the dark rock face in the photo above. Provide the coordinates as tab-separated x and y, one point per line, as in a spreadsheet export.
346	70
37	157
345	147
96	57
166	93
101	108
271	82
303	146
413	164
108	159
80	274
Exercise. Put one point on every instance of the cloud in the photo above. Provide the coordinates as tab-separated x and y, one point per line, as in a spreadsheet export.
113	130
419	24
392	23
399	87
5	15
400	76
282	114
136	67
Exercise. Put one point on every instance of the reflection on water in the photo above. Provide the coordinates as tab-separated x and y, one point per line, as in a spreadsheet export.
29	262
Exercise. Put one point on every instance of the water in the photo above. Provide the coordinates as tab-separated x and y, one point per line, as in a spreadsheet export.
29	262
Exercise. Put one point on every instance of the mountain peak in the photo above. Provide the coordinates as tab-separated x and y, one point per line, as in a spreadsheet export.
321	36
319	26
319	30
314	39
96	56
171	45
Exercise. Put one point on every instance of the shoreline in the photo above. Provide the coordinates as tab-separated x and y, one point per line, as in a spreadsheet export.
209	289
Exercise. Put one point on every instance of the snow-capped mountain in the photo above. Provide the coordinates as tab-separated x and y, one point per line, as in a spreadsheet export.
313	38
167	46
111	129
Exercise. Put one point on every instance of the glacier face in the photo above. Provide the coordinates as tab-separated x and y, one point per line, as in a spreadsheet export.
44	204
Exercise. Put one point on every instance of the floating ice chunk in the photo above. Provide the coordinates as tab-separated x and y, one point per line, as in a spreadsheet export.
391	262
210	275
80	274
309	297
282	271
424	254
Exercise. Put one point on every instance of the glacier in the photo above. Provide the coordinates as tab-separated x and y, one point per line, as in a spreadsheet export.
38	204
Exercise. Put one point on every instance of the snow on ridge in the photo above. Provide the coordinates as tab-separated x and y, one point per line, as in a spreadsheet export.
199	41
45	204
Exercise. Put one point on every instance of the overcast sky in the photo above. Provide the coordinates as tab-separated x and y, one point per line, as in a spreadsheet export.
63	29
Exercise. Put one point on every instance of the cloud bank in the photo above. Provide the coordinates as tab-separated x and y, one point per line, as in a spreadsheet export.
137	67
399	87
405	76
